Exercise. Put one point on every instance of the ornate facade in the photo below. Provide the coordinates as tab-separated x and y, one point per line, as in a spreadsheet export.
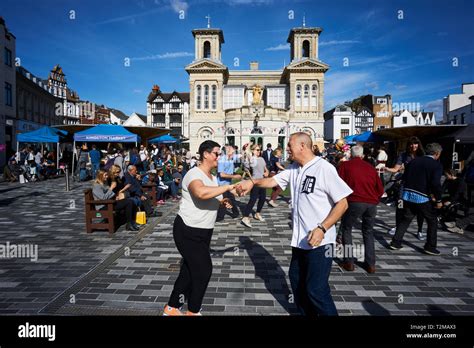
259	106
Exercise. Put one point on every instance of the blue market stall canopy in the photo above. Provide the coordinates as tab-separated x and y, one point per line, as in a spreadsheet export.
107	133
367	137
350	138
164	139
42	135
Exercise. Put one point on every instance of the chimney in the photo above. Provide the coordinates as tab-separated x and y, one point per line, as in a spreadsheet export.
156	88
254	65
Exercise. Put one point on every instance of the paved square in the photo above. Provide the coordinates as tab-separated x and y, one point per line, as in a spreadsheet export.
133	273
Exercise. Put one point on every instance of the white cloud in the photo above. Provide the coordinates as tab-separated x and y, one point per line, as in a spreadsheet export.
435	106
167	55
341	86
374	85
179	5
280	47
338	42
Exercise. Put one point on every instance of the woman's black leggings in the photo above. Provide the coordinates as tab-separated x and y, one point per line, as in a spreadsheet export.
196	268
129	207
256	193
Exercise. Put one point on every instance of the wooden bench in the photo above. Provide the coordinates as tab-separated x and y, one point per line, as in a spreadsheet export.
93	214
150	189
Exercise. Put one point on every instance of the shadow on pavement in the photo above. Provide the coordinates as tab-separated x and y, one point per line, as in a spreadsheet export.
268	269
374	308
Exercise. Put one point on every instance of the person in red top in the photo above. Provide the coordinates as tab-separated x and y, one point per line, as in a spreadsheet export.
364	180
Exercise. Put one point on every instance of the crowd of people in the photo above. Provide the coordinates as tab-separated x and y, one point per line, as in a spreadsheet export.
341	183
30	164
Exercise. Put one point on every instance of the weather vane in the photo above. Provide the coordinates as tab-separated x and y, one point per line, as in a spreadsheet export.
304	20
208	21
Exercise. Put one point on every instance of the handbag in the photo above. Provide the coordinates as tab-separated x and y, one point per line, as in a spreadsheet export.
141	218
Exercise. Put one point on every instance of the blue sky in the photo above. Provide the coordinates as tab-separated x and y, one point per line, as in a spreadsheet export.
409	58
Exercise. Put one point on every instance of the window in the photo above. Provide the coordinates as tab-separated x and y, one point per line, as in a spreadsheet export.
314	95
175	118
8	94
214	97
159	105
463	116
305	49
298	95
207	49
233	97
345	120
175	105
306	95
198	97
8	57
344	133
276	97
404	120
381	101
206	97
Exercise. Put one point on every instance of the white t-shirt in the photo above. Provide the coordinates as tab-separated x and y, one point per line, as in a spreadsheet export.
196	212
315	189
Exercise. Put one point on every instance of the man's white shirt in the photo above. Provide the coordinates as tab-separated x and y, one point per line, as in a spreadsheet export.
315	189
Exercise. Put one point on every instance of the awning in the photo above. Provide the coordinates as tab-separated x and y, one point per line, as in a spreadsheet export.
433	132
464	135
42	135
108	133
164	139
143	132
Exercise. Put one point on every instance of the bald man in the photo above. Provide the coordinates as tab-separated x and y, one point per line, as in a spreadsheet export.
318	196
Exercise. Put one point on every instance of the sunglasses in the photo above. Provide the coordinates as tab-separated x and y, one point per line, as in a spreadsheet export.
216	153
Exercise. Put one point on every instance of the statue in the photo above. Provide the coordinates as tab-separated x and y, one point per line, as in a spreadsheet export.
257	94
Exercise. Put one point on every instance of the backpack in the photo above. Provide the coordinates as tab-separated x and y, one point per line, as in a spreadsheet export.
110	162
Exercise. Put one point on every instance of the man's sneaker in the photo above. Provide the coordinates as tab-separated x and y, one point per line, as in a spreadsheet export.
246	222
188	313
169	311
450	224
272	203
434	252
456	229
394	246
421	235
258	217
392	231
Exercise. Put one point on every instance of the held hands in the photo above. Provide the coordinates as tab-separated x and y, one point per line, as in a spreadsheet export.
244	187
226	203
315	237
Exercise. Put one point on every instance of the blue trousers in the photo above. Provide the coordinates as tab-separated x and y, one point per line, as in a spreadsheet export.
309	276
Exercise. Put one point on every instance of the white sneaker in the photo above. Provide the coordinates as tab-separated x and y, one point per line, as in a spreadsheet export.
258	217
392	231
421	235
456	229
246	222
450	224
272	203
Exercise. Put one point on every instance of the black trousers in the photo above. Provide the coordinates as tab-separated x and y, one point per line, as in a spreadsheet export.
366	212
196	268
222	210
409	211
128	206
256	193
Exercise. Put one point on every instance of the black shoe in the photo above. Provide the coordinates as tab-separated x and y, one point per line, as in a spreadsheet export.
433	251
219	219
394	246
134	225
130	227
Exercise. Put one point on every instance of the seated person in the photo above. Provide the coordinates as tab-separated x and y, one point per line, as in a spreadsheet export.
136	192
172	181
117	183
454	192
152	178
12	171
48	168
102	191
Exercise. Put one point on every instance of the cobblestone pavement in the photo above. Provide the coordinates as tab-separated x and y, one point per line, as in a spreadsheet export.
133	274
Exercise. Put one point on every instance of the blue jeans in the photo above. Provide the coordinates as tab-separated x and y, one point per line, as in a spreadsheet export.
95	169
173	188
309	277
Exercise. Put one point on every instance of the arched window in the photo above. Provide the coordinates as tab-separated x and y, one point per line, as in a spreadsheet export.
207	49
306	95
198	97
214	97
206	97
305	49
298	95
314	95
